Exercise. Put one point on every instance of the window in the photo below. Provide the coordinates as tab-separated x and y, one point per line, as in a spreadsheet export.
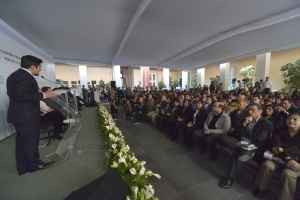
152	79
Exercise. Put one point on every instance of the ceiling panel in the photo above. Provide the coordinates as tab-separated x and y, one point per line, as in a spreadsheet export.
92	31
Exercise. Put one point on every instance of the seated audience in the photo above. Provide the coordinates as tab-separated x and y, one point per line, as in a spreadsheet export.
153	114
163	113
140	111
238	116
227	109
114	109
287	108
271	113
176	111
49	115
150	103
183	120
286	144
216	124
127	109
199	118
254	130
53	104
296	96
277	101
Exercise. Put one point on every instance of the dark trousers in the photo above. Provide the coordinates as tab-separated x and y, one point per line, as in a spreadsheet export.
27	145
267	90
170	126
164	122
179	125
236	165
56	117
140	116
207	140
189	135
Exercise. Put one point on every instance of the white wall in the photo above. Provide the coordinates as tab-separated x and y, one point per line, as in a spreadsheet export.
12	47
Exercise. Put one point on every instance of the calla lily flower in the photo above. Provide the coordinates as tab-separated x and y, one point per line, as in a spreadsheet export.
132	171
135	191
114	165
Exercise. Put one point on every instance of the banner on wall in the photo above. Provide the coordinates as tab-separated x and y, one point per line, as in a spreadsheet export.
12	47
145	77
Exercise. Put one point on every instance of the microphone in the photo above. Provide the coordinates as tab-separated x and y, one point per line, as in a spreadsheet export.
47	79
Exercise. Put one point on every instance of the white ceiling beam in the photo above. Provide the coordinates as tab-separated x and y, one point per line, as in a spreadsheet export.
291	14
134	19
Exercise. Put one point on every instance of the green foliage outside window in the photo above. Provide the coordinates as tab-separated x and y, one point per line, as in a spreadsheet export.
248	73
215	80
161	85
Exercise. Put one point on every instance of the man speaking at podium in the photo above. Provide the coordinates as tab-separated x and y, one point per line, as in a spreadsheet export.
24	114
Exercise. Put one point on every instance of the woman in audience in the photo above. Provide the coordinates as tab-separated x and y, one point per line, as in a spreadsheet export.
285	144
183	120
271	113
114	109
199	118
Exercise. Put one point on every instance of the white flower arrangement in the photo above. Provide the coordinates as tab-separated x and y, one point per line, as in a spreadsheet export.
119	157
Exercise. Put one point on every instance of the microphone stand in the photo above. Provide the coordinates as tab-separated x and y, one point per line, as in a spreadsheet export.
48	80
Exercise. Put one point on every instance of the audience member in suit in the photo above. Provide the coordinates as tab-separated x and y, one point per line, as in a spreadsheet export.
162	104
216	124
255	130
271	113
176	111
199	118
256	99
286	145
140	111
51	103
209	104
24	114
150	103
183	120
238	116
164	113
287	108
49	115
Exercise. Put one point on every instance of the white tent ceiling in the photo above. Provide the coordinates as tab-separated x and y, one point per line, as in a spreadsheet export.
177	34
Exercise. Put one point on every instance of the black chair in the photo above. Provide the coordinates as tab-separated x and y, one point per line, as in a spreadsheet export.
46	128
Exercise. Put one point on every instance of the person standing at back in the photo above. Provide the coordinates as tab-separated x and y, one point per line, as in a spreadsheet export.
267	84
24	114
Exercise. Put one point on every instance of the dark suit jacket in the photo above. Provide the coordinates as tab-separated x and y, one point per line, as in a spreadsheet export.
200	119
24	98
177	112
139	108
237	119
187	115
260	136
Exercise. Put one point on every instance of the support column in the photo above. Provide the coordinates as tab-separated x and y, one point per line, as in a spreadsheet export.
224	75
200	76
262	66
83	75
166	76
184	80
117	75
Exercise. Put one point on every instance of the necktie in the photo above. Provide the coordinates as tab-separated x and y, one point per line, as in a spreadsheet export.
251	125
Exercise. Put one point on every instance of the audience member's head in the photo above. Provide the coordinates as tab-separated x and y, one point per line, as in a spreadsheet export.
255	99
255	110
242	104
268	102
287	102
271	111
218	107
46	89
